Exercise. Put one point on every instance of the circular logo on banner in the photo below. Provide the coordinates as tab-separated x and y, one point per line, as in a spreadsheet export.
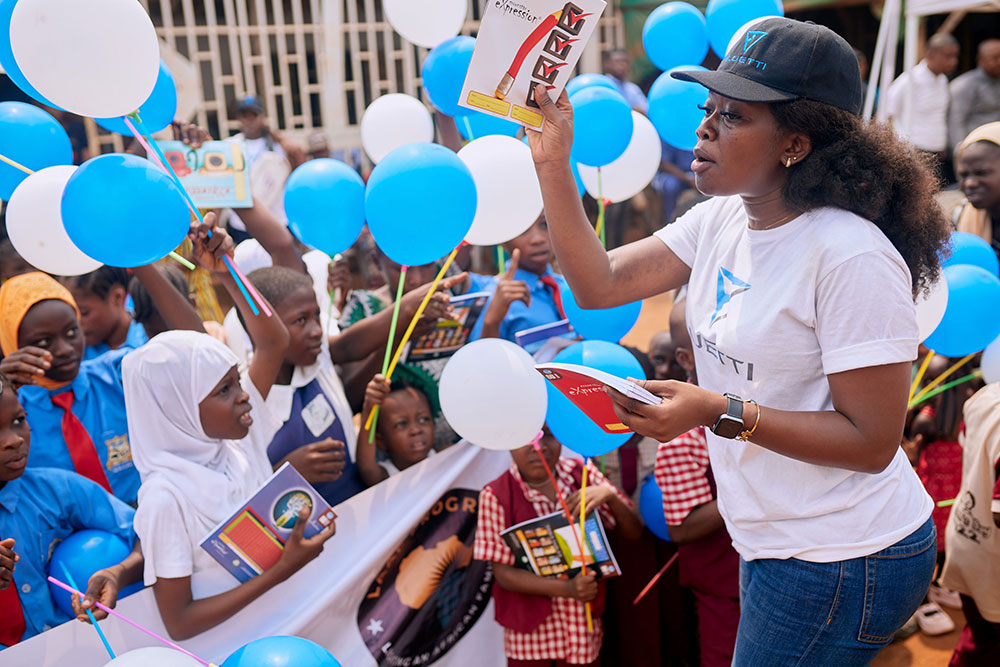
430	592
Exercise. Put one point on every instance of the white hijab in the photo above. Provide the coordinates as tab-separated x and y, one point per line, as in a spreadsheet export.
165	381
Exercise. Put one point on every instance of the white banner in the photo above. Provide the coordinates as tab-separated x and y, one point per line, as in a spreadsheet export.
395	587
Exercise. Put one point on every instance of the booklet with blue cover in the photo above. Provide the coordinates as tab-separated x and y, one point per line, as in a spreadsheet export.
251	540
450	334
550	547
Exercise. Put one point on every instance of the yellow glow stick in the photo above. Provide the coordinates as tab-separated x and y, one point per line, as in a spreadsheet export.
16	165
583	541
920	374
944	376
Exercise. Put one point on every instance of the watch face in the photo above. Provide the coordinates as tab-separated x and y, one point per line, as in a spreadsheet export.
728	427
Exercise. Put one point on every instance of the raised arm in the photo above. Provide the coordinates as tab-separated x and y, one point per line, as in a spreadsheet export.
173	306
599	279
273	236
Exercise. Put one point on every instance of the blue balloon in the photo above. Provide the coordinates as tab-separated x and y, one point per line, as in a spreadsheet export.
10	66
602	125
325	204
30	137
724	17
475	124
673	108
281	652
970	249
83	553
156	113
970	322
123	211
573	166
675	34
444	73
568	423
590	79
651	509
607	324
420	203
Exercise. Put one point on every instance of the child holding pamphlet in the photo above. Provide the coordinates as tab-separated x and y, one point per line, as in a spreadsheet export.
544	618
200	433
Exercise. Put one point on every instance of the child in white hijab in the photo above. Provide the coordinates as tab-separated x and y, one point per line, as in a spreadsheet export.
199	433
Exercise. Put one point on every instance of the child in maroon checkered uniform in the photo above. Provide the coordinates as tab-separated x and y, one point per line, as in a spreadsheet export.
544	619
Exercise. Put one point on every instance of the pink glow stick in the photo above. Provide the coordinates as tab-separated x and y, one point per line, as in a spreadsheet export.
135	625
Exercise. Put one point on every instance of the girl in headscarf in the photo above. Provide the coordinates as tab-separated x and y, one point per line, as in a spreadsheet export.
200	432
977	162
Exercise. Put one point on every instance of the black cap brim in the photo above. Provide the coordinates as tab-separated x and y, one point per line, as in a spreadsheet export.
734	87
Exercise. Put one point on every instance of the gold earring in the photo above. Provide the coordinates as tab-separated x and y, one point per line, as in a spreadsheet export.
788	162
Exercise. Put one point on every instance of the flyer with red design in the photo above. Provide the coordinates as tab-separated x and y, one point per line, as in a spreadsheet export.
585	388
522	44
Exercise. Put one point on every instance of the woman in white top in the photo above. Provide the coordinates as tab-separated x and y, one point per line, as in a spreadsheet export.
801	274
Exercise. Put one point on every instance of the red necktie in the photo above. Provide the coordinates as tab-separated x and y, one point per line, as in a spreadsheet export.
81	447
12	625
553	286
628	459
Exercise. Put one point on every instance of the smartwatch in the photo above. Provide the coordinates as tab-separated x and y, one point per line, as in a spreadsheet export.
730	424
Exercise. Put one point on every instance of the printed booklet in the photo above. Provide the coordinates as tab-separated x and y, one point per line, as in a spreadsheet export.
252	539
522	44
216	175
548	546
450	335
585	388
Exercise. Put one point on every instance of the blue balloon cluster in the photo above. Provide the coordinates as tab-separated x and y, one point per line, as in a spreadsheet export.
970	322
156	113
32	138
725	17
444	73
602	125
589	79
325	204
673	108
10	66
420	203
568	423
675	34
123	211
651	509
83	553
970	249
474	124
607	324
281	652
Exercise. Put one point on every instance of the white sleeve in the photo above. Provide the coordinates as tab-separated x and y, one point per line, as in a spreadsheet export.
681	235
865	314
166	545
894	98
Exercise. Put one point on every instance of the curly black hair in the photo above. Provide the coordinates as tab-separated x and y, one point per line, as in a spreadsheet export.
865	169
101	281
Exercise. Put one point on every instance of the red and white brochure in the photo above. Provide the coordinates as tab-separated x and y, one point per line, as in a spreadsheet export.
585	388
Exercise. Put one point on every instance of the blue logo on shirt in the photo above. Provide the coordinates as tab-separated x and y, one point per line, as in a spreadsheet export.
726	288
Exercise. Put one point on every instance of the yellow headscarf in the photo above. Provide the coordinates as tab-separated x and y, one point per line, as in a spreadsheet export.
17	296
971	219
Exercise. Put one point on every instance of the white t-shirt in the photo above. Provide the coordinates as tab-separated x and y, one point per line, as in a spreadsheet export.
771	313
926	126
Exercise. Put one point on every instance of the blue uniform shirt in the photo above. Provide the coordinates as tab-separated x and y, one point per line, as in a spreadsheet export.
41	508
99	403
543	309
135	338
479	282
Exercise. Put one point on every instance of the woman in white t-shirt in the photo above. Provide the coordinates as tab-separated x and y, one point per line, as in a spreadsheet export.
801	274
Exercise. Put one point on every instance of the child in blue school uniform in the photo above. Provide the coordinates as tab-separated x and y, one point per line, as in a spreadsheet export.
39	507
101	297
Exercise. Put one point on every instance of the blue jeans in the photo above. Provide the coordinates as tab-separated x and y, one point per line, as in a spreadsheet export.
795	612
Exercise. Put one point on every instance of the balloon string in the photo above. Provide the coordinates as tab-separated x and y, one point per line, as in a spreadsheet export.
90	614
135	625
500	260
583	540
373	418
931	394
656	577
941	378
920	374
16	165
601	203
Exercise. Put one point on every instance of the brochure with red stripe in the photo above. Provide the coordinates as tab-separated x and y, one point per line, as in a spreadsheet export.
585	388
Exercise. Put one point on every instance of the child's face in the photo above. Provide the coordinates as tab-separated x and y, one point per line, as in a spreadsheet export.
15	437
662	354
98	316
536	250
978	171
225	412
406	427
300	313
529	463
415	275
52	325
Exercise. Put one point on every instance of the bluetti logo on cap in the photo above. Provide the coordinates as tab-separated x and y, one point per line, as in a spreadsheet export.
751	38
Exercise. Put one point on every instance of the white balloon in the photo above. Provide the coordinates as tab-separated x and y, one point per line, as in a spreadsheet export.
35	226
492	395
633	170
990	363
508	197
96	58
153	656
392	121
931	307
426	23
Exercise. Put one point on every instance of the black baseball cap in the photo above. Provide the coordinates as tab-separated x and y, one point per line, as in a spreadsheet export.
250	103
777	59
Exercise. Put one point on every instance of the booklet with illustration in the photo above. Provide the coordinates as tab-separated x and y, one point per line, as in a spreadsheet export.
216	174
251	540
548	546
585	388
450	335
523	44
